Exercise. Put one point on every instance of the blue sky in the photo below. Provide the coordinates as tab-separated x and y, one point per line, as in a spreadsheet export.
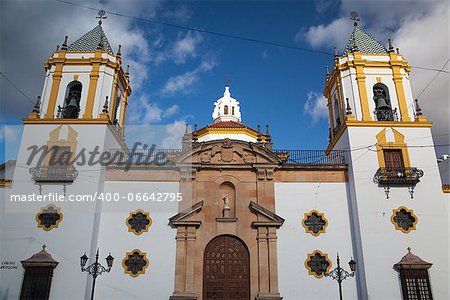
178	74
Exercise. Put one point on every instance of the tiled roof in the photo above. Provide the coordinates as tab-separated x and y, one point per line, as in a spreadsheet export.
228	125
365	43
89	42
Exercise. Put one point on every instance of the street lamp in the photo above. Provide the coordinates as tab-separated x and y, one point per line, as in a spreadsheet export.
339	274
95	268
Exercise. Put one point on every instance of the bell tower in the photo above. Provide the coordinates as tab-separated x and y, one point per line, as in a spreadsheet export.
369	83
84	82
389	151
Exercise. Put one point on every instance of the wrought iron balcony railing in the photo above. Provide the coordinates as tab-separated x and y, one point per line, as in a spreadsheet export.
54	173
386	115
398	176
288	157
311	157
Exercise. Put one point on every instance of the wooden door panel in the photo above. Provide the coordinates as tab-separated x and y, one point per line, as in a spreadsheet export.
226	270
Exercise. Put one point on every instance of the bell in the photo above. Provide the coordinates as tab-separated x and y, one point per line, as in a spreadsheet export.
381	104
74	98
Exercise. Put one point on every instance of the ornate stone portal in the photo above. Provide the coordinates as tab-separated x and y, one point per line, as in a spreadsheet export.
228	205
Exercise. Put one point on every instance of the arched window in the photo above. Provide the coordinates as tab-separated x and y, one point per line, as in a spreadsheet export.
383	107
232	110
71	108
337	115
225	109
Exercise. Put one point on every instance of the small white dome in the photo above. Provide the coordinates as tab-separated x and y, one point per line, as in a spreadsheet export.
226	108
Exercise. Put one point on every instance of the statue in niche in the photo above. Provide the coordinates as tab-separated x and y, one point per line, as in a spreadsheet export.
226	201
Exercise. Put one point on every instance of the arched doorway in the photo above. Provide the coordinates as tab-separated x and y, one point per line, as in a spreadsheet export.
226	269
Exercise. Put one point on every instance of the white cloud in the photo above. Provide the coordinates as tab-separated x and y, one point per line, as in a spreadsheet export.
316	107
186	46
334	34
181	83
175	132
172	110
420	29
144	111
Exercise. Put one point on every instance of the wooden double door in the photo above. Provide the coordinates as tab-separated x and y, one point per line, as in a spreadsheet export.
226	269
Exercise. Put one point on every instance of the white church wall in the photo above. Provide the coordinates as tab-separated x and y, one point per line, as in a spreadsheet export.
158	243
293	200
21	237
382	244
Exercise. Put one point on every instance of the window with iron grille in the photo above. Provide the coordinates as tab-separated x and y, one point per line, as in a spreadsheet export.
36	283
415	284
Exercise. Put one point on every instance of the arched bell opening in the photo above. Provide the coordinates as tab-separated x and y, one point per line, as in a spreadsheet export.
71	107
383	106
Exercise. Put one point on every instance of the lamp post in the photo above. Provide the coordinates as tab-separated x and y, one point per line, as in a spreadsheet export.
339	274
95	268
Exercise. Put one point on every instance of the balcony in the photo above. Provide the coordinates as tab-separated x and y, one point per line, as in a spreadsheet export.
386	115
398	176
43	174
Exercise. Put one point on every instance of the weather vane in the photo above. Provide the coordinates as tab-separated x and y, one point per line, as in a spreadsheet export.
354	17
228	80
101	15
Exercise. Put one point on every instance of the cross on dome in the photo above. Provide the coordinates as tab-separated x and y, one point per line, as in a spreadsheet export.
226	108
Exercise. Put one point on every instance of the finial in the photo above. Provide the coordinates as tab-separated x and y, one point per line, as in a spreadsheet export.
327	76
409	249
391	48
348	109
64	45
227	80
118	51
194	134
267	129
335	52
57	47
105	107
418	109
101	15
259	136
354	17
127	73
398	51
43	247
37	106
187	129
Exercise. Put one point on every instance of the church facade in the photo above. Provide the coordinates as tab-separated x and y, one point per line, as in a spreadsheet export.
226	216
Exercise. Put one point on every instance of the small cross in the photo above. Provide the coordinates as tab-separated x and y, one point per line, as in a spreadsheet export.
227	80
409	249
354	17
101	15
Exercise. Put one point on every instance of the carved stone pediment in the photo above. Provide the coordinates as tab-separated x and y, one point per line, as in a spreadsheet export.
182	218
228	152
270	219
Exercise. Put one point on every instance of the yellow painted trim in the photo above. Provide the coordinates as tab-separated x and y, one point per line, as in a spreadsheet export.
396	211
446	188
319	214
114	96
54	140
362	89
245	131
66	121
143	268
310	272
399	143
92	85
130	216
58	209
56	82
5	183
388	124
